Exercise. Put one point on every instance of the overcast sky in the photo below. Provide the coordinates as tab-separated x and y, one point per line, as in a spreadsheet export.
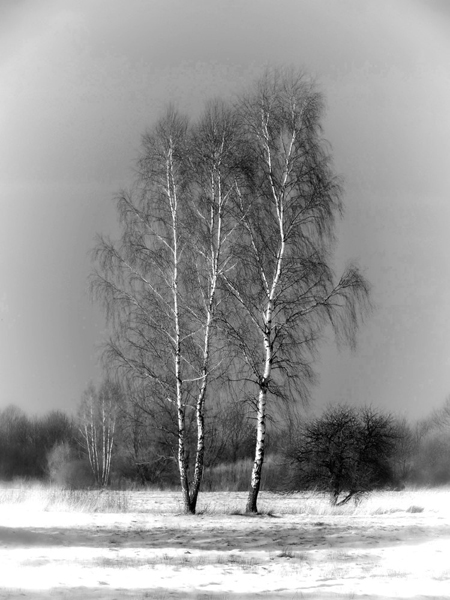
80	81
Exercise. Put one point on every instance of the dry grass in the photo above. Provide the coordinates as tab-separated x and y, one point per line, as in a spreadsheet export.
46	498
318	504
54	499
174	560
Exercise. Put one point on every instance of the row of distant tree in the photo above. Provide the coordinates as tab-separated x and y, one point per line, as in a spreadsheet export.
25	442
113	440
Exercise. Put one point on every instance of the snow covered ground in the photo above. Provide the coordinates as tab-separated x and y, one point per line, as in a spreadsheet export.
393	545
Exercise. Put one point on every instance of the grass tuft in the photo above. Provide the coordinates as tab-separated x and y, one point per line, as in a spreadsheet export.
414	509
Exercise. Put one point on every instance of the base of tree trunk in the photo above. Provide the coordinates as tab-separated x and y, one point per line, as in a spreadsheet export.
251	506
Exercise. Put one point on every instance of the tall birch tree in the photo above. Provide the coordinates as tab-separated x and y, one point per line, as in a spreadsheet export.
159	284
140	278
214	164
282	284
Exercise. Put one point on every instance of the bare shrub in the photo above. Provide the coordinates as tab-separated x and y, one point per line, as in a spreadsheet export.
346	452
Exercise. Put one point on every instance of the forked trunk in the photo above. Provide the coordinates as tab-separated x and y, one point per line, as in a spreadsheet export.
182	466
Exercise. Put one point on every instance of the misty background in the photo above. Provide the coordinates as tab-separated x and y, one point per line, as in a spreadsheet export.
81	81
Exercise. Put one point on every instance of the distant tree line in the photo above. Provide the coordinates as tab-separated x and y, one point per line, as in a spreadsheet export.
345	451
25	442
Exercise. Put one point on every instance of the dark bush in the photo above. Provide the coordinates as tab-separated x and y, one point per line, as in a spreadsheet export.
346	452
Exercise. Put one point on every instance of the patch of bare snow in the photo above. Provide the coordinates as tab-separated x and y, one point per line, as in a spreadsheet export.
85	556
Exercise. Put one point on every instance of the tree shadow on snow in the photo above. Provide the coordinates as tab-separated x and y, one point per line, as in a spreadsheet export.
103	593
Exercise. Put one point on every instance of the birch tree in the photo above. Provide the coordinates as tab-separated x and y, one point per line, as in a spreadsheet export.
282	286
215	167
159	283
140	280
97	416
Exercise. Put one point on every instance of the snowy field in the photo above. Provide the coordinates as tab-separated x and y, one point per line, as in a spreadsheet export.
136	545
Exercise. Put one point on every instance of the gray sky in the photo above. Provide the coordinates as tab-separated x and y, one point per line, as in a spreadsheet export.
81	80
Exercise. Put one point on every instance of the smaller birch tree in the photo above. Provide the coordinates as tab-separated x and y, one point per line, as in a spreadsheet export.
97	416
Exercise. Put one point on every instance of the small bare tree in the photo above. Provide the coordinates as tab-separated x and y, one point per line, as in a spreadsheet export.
346	452
97	415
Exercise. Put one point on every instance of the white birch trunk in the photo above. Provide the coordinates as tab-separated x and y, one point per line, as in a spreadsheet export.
278	201
255	483
216	246
181	411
